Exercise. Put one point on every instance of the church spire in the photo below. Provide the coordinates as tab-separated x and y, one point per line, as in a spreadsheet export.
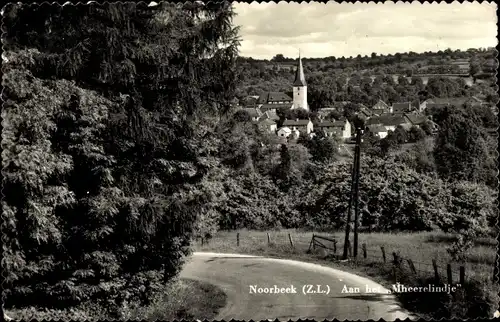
300	79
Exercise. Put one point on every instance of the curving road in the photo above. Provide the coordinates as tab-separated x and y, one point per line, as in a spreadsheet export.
235	274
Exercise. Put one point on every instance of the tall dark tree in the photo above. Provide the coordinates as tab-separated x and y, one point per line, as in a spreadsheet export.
100	170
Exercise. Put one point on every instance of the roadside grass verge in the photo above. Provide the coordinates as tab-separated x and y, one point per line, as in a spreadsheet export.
181	299
478	297
186	299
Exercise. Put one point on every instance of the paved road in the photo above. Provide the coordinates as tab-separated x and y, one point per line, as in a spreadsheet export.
236	273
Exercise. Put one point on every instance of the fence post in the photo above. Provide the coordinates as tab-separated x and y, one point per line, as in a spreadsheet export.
202	241
335	247
290	238
383	252
436	273
363	246
349	248
314	242
462	275
238	239
395	273
412	267
396	259
448	273
268	239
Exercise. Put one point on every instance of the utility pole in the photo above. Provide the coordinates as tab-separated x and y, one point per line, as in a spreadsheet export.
353	196
349	208
359	133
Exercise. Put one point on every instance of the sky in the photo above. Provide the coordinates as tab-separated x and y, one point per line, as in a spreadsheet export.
349	29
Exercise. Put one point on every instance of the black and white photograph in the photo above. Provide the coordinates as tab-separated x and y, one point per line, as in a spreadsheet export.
264	161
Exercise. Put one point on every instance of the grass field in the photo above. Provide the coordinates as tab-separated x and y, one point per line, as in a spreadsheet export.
421	248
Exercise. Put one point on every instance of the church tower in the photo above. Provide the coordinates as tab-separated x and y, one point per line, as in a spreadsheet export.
300	88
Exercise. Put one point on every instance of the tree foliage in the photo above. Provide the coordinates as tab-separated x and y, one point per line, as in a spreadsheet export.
462	151
103	144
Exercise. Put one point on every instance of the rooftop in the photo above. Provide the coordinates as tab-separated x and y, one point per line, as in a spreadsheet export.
254	112
331	124
300	79
285	129
403	107
267	122
387	120
296	122
416	119
380	105
375	128
276	106
271	115
267	97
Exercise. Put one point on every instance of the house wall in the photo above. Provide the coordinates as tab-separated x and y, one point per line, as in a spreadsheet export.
422	106
309	127
283	133
382	134
273	128
347	130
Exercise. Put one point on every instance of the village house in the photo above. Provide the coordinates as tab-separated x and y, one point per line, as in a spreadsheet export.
342	129
400	108
274	98
274	108
250	101
365	112
389	121
326	127
380	108
450	101
254	113
416	119
266	125
270	115
303	126
377	130
284	132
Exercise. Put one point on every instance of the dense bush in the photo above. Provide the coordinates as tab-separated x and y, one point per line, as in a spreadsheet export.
420	157
462	151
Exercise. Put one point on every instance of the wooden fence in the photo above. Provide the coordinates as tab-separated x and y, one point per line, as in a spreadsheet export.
398	262
319	241
394	259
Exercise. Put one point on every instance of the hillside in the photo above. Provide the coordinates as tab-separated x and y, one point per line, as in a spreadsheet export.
337	78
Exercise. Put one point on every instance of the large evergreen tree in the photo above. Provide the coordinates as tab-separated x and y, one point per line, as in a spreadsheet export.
107	108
